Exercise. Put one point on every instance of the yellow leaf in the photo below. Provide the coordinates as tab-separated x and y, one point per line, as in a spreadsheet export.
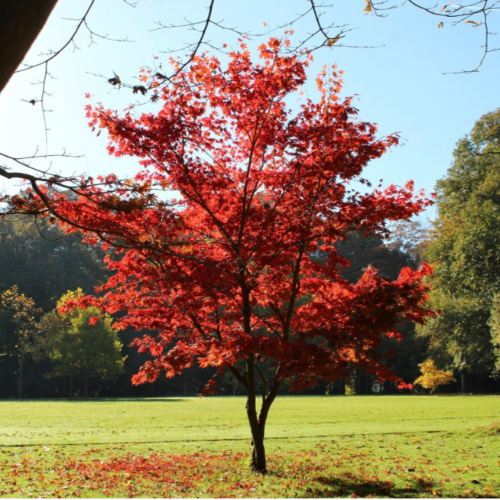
369	6
333	40
440	25
444	7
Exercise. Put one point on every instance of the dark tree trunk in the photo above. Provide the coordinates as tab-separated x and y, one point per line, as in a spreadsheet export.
21	373
71	386
20	23
86	391
257	430
462	382
258	424
259	452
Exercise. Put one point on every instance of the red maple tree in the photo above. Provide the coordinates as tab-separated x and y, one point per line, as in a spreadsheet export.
219	235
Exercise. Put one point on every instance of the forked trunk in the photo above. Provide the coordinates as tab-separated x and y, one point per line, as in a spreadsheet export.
258	424
258	451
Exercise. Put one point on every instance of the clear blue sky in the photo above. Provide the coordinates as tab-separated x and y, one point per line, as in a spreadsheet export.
399	83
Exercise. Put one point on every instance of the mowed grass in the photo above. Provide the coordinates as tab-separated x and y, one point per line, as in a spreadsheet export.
388	446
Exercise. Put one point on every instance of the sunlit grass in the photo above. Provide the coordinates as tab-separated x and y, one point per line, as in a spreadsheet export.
317	446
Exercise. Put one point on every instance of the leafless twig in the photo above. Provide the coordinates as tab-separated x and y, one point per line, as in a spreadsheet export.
474	13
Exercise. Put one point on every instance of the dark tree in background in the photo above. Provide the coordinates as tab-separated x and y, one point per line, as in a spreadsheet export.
43	263
401	250
20	313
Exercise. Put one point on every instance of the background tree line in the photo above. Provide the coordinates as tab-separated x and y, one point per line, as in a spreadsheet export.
44	264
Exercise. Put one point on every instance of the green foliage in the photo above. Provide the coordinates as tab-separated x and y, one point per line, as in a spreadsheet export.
460	337
494	324
23	314
465	251
77	345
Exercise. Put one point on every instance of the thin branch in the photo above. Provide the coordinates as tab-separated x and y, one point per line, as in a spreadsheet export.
465	13
318	22
196	48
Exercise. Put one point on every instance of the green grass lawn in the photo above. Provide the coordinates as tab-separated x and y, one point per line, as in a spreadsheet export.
389	446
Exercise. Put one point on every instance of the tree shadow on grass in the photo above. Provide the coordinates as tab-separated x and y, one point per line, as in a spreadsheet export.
143	400
122	400
348	484
80	400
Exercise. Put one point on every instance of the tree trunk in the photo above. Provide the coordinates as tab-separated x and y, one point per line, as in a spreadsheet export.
259	451
256	425
462	382
20	23
21	372
86	391
71	386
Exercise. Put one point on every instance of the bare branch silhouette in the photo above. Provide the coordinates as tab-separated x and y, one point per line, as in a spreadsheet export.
473	13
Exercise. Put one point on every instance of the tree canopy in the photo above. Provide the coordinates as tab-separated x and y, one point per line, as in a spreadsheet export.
465	251
221	264
21	311
79	343
432	378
